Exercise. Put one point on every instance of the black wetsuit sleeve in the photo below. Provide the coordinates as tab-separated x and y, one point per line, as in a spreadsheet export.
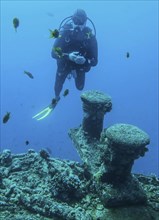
59	43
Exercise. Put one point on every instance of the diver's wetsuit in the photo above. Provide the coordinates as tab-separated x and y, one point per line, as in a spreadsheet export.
71	40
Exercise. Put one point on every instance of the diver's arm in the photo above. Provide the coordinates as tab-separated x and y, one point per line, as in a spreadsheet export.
58	44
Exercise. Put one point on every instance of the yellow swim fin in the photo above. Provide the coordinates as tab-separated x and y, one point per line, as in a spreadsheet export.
44	113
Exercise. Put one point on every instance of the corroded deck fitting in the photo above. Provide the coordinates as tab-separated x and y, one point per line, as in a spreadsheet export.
125	144
95	105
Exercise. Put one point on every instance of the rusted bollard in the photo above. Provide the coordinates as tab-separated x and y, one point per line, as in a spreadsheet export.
125	144
95	105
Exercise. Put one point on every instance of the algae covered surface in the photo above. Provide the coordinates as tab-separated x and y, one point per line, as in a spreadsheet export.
35	186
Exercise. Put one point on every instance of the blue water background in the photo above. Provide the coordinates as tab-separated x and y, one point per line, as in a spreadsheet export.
122	26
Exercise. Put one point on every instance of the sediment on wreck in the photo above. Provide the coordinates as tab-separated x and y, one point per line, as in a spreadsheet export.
35	186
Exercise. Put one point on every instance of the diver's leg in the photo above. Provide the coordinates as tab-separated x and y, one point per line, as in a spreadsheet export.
80	80
59	81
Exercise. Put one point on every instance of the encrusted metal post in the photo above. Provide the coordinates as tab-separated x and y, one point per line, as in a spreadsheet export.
95	105
125	144
86	138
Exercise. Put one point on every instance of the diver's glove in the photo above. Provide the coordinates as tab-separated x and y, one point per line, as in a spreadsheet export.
75	57
80	60
72	56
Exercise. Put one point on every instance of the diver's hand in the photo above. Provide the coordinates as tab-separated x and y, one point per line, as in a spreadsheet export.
72	56
75	57
80	60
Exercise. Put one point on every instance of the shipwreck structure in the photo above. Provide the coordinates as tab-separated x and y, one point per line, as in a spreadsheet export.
109	153
36	186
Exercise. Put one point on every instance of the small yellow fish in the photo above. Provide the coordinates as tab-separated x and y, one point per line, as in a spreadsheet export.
6	117
29	74
54	33
16	23
58	51
66	92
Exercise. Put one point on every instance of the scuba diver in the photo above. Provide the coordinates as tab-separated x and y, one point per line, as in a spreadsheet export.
76	51
79	51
